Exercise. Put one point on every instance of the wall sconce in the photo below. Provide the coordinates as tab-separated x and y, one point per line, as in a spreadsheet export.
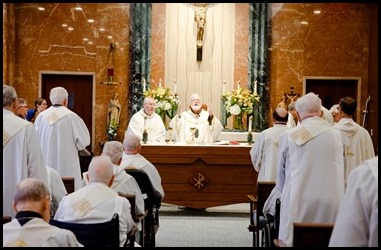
110	78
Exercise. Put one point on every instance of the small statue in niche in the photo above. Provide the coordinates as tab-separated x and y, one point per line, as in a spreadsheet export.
114	110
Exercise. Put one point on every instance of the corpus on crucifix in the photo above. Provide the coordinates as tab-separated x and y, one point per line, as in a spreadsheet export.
200	18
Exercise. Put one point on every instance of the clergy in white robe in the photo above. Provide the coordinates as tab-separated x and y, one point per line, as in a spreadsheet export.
132	159
207	127
30	227
22	154
327	115
97	202
146	119
357	140
265	149
123	182
292	118
310	169
356	223
62	134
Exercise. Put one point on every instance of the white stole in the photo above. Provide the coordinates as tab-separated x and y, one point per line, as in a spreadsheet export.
11	125
83	201
56	114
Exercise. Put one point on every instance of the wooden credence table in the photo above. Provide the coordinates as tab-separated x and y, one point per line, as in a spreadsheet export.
202	176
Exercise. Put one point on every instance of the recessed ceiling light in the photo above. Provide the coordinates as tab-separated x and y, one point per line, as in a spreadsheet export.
78	8
70	28
90	42
41	8
85	39
109	37
317	12
90	20
64	25
304	22
101	29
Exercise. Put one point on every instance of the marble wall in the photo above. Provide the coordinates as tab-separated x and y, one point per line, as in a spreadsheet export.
334	43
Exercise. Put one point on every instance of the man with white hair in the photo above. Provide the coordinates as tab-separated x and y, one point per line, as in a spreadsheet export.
208	127
62	134
310	169
22	154
97	202
146	120
123	182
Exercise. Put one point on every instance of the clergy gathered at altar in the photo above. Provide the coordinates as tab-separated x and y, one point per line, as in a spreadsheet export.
207	100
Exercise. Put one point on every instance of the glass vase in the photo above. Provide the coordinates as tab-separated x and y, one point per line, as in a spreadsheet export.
237	122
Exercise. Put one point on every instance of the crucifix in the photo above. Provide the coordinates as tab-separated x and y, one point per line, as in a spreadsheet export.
200	18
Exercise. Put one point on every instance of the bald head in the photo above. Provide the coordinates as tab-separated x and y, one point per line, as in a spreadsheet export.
280	115
101	170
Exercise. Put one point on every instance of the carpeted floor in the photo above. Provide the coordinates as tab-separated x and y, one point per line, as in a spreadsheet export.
224	226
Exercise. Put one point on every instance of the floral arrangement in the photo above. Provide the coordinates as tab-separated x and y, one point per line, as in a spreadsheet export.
112	130
167	103
237	102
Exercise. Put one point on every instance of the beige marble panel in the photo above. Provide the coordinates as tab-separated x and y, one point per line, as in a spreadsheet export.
334	43
158	42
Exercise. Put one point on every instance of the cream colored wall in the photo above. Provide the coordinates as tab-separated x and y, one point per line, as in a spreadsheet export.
207	76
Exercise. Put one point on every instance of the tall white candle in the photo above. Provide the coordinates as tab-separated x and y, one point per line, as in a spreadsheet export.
250	123
175	86
144	85
160	83
224	87
255	88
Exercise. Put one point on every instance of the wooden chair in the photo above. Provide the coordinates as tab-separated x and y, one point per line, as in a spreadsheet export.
152	204
105	234
69	183
309	234
137	218
6	219
258	222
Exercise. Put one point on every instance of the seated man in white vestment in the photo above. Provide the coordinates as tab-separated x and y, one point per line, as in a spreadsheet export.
207	127
123	182
97	202
132	159
30	227
146	119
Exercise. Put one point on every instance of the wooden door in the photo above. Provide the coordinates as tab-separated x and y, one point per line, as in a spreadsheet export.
332	90
80	89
